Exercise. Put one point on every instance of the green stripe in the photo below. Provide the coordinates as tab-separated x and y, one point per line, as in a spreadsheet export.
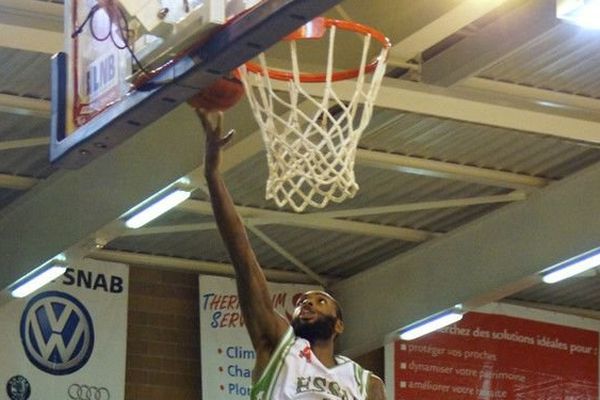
357	374
361	376
280	364
273	367
367	381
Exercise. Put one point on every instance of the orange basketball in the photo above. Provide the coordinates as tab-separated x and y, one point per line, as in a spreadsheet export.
223	94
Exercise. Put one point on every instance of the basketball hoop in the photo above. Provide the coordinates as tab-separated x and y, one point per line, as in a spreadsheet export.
311	146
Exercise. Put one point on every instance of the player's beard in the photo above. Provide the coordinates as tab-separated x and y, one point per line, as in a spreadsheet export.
322	328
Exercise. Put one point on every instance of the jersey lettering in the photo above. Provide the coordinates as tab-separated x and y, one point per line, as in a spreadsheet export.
319	384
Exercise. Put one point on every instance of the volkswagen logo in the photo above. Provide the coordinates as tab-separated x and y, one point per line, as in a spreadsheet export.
57	333
85	392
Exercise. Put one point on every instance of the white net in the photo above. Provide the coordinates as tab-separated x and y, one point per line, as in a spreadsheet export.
311	140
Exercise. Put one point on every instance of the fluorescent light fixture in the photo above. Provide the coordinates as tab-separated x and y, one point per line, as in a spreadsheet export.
585	13
30	285
573	267
431	324
157	208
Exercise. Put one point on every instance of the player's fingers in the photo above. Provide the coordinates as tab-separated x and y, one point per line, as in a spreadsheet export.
204	119
211	127
220	118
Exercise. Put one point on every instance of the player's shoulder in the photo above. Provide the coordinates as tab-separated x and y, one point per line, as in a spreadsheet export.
376	388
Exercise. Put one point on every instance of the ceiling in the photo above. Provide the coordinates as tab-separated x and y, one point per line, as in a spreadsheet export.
480	168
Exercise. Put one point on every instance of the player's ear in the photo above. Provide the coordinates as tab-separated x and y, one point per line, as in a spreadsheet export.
339	327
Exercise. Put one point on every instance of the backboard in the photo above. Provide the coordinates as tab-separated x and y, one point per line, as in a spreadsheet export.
128	62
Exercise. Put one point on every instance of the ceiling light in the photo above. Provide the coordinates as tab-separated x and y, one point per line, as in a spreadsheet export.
431	324
156	207
585	13
572	267
46	274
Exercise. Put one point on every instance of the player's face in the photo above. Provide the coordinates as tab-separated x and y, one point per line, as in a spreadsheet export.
313	303
315	317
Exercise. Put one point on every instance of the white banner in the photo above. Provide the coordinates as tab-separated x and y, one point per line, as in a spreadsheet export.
68	339
227	353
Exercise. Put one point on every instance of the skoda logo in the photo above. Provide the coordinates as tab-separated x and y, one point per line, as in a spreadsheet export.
18	388
57	333
86	392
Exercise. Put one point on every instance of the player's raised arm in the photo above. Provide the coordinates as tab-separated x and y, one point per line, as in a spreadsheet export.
264	325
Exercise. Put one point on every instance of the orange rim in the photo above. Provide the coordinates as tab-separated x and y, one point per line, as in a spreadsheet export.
315	77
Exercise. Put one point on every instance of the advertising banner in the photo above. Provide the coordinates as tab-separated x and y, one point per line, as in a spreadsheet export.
68	339
500	354
226	351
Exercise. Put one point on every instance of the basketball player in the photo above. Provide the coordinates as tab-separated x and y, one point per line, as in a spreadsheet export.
292	362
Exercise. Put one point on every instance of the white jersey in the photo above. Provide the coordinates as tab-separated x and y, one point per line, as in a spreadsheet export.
295	373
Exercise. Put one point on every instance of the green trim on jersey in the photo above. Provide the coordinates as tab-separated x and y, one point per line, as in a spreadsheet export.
361	375
264	384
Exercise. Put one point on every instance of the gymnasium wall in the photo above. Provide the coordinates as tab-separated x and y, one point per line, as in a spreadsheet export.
163	352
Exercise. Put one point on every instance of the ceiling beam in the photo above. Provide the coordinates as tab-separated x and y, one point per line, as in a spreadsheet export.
485	260
453	104
24	105
287	255
167	229
542	97
261	216
424	205
31	39
24	143
43	9
397	208
202	267
491	43
482	109
439	29
17	182
440	169
253	144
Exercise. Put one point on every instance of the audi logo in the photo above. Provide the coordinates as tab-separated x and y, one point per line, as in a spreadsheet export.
85	392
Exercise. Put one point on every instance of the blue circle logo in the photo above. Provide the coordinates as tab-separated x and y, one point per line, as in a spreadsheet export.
18	388
57	333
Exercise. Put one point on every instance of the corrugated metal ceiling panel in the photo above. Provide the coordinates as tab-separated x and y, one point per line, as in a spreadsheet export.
566	59
580	292
198	245
18	127
334	253
378	187
7	196
30	162
472	144
25	73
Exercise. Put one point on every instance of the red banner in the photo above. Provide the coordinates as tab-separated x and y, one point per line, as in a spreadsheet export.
488	356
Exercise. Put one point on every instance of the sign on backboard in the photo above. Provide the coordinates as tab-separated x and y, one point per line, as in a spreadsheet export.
109	43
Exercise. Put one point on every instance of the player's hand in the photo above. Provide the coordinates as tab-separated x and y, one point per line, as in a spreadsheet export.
212	122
